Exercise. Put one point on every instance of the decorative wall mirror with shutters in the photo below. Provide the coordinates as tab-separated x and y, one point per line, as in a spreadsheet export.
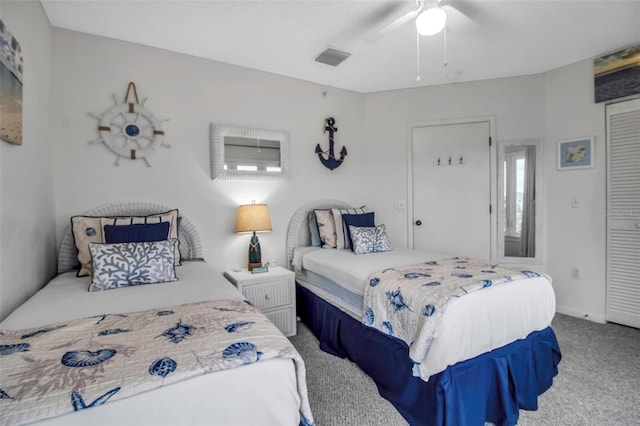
249	154
623	213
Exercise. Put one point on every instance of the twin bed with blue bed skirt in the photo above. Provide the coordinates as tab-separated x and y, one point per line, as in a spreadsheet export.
447	340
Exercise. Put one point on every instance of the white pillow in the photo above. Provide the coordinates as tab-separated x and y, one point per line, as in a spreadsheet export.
326	228
88	229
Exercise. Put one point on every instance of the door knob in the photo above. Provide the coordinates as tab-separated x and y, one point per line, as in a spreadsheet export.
418	222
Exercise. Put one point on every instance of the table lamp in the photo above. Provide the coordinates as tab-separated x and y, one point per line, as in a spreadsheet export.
253	218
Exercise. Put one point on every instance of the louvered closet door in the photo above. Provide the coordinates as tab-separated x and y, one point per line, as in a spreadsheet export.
623	214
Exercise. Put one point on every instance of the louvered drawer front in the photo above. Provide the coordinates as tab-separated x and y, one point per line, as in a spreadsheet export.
624	157
283	319
624	276
269	295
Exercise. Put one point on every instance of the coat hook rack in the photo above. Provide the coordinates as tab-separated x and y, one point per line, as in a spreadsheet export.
449	160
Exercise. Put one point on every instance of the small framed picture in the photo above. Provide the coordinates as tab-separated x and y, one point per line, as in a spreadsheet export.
575	153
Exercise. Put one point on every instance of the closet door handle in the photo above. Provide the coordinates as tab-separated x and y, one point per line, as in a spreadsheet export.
418	222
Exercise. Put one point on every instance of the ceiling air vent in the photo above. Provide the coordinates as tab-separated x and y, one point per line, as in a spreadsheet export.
332	57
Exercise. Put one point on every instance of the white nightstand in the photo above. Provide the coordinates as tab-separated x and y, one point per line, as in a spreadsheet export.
272	292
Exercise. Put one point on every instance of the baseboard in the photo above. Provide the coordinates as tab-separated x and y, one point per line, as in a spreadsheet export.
579	314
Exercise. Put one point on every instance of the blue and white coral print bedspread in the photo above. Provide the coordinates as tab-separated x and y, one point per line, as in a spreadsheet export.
54	370
406	302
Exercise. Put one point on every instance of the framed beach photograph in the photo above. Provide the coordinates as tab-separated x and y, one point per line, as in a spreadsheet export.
617	75
11	68
575	153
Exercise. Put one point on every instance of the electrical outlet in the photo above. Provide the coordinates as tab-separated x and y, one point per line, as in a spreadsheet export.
575	273
575	203
399	205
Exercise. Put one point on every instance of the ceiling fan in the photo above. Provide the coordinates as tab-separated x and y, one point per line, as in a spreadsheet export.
430	18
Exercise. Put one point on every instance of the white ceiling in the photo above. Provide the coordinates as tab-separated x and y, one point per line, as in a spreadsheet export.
492	39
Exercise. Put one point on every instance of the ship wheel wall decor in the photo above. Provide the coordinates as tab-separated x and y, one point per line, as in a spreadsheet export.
129	129
330	162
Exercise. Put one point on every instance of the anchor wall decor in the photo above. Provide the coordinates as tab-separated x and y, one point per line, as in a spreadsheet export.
330	162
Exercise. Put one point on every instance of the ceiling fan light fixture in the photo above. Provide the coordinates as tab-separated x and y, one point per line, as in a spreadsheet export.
431	21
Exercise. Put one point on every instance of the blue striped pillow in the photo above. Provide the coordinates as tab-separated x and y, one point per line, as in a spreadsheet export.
342	239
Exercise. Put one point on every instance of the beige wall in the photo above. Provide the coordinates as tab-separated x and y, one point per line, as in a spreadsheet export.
552	106
192	93
576	237
27	231
516	104
85	71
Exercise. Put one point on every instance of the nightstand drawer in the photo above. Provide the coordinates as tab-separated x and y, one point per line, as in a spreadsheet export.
272	292
269	295
282	319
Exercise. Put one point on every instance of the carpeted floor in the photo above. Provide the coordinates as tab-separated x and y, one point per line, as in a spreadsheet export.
598	382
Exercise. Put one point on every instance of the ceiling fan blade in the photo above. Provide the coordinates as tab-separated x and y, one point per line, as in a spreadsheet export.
461	15
387	28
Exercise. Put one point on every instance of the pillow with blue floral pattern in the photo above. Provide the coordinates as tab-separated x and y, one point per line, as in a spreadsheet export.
370	239
128	264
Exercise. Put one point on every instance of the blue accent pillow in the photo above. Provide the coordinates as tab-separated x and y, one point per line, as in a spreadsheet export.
364	220
136	233
313	230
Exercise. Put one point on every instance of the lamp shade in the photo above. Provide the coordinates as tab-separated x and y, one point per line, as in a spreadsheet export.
431	21
253	218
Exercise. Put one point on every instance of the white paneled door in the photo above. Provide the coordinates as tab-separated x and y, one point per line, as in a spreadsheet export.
451	189
623	213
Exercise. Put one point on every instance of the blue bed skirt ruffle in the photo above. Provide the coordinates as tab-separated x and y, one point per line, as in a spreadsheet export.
491	387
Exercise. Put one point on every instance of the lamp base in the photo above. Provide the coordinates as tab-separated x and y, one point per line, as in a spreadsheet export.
251	266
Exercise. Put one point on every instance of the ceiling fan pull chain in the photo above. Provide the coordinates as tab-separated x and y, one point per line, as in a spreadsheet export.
417	56
445	48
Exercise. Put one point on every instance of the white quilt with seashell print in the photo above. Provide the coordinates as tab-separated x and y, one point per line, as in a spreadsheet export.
57	369
407	302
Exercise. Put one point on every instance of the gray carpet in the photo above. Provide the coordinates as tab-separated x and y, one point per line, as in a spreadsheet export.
598	382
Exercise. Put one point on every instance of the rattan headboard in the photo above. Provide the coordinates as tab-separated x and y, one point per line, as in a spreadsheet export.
190	244
298	230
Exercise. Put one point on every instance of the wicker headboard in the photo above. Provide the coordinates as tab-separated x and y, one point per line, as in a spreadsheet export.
190	244
298	230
